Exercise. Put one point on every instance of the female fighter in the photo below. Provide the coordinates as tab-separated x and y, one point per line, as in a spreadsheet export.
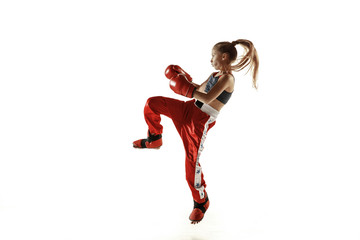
194	118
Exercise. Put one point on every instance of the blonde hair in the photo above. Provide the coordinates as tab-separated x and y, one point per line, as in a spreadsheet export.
249	59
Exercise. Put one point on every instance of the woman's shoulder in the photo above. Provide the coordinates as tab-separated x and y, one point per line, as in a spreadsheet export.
227	76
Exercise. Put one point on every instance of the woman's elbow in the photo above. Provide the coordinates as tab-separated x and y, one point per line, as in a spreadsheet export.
203	97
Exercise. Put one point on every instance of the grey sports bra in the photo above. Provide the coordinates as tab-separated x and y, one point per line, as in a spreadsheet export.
224	96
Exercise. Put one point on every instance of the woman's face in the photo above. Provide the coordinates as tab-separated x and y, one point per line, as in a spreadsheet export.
216	59
219	60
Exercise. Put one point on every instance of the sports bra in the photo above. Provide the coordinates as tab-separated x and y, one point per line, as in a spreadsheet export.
224	96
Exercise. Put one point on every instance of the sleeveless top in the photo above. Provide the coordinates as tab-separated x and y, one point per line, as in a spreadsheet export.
224	96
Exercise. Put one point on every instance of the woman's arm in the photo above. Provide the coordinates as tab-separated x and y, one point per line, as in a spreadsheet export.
223	83
201	88
196	85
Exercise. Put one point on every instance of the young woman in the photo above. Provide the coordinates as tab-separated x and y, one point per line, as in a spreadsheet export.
194	118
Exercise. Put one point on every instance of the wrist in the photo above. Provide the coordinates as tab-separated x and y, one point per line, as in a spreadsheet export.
191	91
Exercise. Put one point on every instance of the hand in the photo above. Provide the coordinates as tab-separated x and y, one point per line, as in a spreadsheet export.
179	82
173	70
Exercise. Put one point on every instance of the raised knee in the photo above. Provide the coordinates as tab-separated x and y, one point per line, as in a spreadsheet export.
152	101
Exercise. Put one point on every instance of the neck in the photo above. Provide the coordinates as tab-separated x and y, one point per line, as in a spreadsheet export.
225	70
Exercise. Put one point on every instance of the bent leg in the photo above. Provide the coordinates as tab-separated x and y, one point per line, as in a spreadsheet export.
155	106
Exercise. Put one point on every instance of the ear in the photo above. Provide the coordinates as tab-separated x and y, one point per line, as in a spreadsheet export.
225	56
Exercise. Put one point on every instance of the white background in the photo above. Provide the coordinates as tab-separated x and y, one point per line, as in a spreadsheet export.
281	162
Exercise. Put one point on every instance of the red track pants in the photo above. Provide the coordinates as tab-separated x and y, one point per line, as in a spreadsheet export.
192	123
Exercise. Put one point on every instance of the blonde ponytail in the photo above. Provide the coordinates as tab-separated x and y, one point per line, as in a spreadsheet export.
250	58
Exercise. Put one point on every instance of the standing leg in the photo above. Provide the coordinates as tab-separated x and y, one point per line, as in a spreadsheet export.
193	134
193	139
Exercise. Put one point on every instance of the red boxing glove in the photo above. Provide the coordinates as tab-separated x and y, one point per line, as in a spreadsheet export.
179	83
173	70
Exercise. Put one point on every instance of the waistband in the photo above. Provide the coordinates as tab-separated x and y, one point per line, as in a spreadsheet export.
207	109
